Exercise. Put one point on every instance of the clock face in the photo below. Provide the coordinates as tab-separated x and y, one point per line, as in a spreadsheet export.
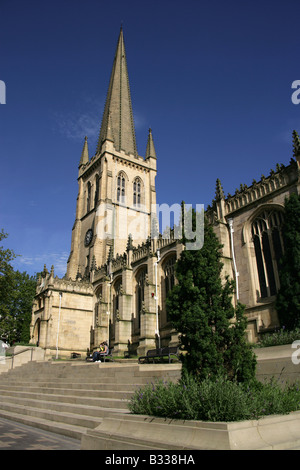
88	237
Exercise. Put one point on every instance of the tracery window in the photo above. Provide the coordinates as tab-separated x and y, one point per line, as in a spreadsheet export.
97	306
169	274
121	188
268	245
88	200
116	298
140	294
137	192
169	271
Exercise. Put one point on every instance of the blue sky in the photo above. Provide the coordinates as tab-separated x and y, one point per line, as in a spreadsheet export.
211	78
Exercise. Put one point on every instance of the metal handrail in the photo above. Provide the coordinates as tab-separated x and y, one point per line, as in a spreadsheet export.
21	352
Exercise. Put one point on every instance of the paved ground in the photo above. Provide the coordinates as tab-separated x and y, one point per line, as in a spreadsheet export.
17	436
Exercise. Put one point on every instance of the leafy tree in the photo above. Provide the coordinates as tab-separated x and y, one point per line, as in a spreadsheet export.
21	305
288	297
17	291
6	286
6	256
212	330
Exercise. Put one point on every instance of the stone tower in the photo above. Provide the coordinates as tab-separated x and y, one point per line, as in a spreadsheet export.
116	186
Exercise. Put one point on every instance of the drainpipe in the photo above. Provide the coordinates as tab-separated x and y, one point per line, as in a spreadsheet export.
230	222
60	296
111	276
156	298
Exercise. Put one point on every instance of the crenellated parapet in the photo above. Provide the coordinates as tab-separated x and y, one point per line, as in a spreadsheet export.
164	241
119	262
142	251
48	281
131	257
245	196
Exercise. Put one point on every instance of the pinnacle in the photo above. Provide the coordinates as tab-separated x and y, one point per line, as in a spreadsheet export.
85	153
296	144
150	150
219	191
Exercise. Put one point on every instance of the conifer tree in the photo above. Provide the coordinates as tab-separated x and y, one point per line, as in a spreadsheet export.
288	297
212	330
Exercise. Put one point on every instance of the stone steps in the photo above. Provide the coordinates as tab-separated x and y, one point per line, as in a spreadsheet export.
71	398
88	401
84	392
76	386
63	428
63	400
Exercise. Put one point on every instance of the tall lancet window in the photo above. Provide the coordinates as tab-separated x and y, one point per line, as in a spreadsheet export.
140	294
96	191
268	245
88	200
137	192
121	188
169	272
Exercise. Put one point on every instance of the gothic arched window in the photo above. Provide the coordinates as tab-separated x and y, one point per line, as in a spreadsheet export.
96	191
121	188
97	306
268	245
140	293
169	273
116	298
137	192
88	199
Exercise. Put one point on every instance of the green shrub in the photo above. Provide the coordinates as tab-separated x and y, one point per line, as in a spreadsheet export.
216	399
279	337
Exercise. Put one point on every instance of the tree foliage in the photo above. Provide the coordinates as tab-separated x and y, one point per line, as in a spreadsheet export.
212	330
17	291
288	297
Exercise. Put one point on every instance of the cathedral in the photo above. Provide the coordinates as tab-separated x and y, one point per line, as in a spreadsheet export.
120	269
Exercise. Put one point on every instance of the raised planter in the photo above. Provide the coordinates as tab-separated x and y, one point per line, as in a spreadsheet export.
135	432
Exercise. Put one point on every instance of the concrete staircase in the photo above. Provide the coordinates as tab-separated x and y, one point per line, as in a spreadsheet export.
71	398
89	402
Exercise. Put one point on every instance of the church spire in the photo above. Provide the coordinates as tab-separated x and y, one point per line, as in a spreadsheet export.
85	153
117	121
150	150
